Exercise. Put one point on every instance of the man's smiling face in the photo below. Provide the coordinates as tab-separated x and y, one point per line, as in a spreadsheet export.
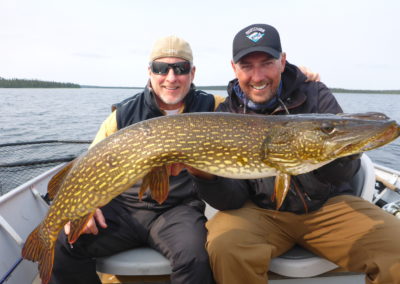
170	89
259	75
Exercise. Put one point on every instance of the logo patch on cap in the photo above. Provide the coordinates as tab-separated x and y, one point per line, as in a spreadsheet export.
255	34
170	51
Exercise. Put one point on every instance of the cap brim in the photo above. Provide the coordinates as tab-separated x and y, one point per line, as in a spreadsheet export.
187	58
274	53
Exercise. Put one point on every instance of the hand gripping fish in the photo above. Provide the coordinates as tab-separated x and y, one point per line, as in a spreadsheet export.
224	144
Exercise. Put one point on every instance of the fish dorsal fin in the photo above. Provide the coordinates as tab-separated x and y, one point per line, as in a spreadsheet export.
77	226
158	182
57	180
282	184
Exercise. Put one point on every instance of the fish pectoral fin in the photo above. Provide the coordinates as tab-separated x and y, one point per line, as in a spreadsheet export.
282	184
57	180
144	186
158	182
77	226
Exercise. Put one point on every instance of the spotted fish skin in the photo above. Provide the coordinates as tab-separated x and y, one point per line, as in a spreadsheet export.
224	144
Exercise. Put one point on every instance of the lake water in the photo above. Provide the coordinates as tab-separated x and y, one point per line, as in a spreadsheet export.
76	114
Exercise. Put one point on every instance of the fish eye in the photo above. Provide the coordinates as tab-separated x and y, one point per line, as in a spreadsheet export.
328	128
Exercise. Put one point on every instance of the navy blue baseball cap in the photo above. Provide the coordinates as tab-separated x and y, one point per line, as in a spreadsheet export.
257	37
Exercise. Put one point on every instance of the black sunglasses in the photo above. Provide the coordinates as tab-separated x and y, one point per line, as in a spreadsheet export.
162	68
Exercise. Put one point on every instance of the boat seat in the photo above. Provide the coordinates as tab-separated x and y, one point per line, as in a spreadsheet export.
297	262
138	261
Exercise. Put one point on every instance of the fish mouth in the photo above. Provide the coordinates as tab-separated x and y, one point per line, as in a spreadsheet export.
390	133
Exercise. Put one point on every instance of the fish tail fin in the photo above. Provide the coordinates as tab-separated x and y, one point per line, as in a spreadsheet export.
37	250
46	266
34	246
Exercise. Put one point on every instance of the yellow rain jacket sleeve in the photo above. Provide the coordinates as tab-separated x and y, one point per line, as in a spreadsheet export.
218	100
108	127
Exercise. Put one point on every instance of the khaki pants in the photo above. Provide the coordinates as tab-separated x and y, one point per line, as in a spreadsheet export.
347	230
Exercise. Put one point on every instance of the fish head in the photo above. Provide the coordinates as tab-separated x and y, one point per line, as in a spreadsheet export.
303	143
356	133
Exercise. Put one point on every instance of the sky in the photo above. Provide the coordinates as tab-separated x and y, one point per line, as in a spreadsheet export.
352	44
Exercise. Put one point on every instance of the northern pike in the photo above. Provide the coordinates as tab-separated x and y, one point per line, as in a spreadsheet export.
224	144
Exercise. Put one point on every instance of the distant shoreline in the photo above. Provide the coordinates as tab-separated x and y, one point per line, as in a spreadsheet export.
339	90
24	83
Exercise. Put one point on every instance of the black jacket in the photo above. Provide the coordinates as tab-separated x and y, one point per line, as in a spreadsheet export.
315	187
143	106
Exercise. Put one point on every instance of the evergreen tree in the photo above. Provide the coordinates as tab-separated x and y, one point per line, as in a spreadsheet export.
25	83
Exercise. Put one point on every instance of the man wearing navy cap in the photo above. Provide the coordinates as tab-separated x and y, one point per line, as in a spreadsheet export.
320	212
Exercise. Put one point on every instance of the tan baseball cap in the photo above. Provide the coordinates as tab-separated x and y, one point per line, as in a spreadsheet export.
171	46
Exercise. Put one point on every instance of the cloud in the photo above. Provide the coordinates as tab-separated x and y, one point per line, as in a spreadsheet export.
91	55
375	66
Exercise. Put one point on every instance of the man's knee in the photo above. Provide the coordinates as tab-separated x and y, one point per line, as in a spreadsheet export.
190	254
191	265
220	245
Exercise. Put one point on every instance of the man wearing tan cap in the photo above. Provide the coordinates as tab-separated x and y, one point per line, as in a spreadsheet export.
176	227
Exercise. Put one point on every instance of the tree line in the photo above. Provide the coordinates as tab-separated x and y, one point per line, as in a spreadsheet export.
25	83
339	90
